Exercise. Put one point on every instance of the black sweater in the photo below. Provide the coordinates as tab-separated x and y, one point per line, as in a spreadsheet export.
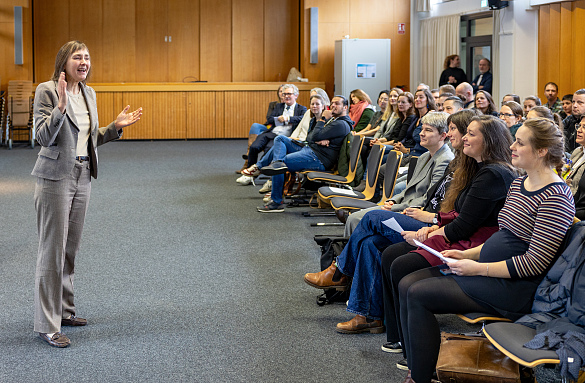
458	73
480	202
334	131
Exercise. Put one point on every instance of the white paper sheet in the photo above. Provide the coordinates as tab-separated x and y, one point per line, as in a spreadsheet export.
393	224
434	252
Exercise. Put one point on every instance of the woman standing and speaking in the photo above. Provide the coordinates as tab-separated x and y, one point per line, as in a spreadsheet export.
68	132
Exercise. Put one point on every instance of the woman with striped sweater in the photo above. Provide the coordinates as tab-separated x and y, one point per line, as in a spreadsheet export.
500	276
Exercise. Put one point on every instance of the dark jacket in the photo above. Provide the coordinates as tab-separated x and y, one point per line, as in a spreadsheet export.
334	130
571	132
401	129
486	82
279	110
458	73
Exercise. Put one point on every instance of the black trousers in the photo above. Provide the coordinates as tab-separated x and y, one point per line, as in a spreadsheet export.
263	142
421	295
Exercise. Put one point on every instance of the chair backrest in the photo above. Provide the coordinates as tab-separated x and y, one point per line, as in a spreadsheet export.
373	169
390	174
19	102
357	142
411	166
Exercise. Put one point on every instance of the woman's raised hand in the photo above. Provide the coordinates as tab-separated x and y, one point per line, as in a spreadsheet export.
125	119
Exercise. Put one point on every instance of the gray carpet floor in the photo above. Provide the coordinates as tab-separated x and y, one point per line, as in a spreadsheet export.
180	279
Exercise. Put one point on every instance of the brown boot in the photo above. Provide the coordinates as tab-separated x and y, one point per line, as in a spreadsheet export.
408	378
360	323
324	279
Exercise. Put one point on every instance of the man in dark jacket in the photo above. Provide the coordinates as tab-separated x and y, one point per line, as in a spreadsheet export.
320	152
575	118
483	81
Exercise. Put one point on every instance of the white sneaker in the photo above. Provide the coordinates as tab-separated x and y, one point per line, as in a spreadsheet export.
267	199
252	171
245	180
266	187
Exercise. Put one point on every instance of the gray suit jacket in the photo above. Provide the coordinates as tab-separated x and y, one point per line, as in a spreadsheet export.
57	133
427	172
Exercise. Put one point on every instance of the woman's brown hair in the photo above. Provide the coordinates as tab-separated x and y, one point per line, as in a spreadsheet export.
410	110
491	105
361	95
496	150
545	134
448	59
63	55
430	101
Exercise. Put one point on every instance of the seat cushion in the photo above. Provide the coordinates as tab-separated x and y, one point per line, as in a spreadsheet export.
350	203
510	339
326	177
330	192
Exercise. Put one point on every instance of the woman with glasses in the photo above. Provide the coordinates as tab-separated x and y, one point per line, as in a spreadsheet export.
512	114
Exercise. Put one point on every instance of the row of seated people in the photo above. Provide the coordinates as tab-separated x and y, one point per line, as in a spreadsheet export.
397	124
521	221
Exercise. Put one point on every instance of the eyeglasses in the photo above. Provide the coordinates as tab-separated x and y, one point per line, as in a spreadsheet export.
506	115
578	126
287	94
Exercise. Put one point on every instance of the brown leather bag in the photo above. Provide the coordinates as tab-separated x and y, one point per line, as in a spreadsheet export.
465	359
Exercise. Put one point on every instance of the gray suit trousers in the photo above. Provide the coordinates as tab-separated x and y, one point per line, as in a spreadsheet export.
61	206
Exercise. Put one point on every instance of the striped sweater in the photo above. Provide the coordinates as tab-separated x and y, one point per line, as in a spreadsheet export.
540	218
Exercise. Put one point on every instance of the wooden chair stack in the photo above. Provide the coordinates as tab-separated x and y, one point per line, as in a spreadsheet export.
20	111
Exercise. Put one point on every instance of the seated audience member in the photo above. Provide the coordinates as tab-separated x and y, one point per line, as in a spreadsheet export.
284	119
390	119
511	97
512	114
447	88
530	102
256	128
543	111
360	257
569	123
452	105
485	104
575	178
320	152
361	109
452	73
483	81
376	120
410	145
435	93
299	134
441	100
501	276
551	90
468	214
567	106
428	170
406	116
465	92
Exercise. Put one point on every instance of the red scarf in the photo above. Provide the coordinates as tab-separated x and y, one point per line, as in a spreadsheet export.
356	110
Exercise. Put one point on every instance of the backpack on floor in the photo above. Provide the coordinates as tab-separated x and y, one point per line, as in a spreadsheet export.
331	247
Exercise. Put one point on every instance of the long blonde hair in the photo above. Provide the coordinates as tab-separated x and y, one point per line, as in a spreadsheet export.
392	109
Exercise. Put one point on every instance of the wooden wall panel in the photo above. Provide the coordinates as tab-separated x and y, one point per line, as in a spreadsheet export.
578	65
151	48
281	38
378	19
118	61
183	27
248	108
105	106
247	54
560	46
8	70
49	36
85	24
201	118
216	41
151	115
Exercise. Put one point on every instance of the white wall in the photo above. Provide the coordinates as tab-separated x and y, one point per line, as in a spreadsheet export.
518	43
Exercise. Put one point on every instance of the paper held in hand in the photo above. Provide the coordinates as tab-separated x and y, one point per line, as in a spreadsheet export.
434	252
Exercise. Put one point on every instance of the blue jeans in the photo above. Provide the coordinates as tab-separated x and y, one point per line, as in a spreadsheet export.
296	158
361	259
257	128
